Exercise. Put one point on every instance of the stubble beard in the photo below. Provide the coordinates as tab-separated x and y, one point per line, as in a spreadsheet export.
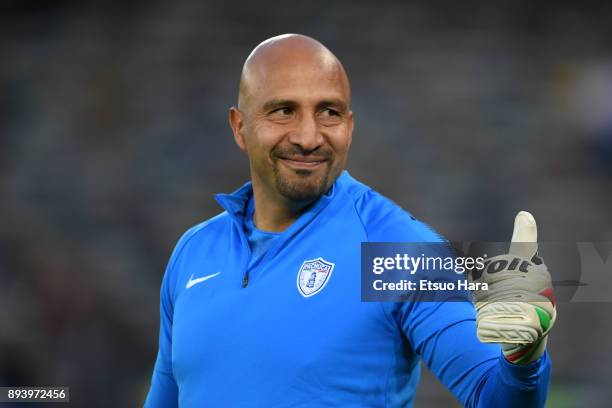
301	185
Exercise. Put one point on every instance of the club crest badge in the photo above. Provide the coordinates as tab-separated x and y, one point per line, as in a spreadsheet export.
313	276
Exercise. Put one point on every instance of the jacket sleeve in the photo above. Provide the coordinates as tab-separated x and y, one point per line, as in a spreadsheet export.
163	392
444	335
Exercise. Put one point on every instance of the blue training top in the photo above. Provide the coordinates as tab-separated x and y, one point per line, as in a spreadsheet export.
292	331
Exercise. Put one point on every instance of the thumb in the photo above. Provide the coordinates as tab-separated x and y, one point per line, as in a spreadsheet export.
525	236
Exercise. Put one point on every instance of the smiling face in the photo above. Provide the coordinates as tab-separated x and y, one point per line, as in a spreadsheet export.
294	119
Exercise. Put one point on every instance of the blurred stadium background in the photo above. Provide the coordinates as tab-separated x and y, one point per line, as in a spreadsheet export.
113	139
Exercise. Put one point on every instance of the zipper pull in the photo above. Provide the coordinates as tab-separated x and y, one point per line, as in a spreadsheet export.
245	280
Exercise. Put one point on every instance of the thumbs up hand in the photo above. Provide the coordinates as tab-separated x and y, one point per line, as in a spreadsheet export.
518	309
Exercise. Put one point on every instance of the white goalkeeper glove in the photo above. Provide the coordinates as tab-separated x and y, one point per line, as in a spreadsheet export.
518	310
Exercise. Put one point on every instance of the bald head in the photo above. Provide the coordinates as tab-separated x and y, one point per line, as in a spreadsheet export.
287	52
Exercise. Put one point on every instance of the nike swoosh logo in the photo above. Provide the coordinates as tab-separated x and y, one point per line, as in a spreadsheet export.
192	281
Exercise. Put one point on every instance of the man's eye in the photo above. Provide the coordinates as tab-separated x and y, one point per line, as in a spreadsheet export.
282	111
330	113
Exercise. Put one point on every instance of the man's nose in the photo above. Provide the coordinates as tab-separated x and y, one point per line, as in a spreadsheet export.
307	135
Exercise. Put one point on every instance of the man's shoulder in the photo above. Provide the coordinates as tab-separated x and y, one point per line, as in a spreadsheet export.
383	219
207	228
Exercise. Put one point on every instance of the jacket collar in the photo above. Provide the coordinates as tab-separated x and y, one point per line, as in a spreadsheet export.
236	203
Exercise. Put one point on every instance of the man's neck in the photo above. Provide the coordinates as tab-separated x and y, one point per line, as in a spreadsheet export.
273	212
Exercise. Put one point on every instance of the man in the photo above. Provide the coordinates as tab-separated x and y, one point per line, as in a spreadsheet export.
260	305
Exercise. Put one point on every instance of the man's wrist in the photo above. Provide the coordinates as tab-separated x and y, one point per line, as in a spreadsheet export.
525	354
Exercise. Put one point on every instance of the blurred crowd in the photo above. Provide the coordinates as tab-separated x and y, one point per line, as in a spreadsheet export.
113	139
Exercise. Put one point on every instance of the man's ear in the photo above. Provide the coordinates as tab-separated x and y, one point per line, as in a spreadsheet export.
351	125
236	122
